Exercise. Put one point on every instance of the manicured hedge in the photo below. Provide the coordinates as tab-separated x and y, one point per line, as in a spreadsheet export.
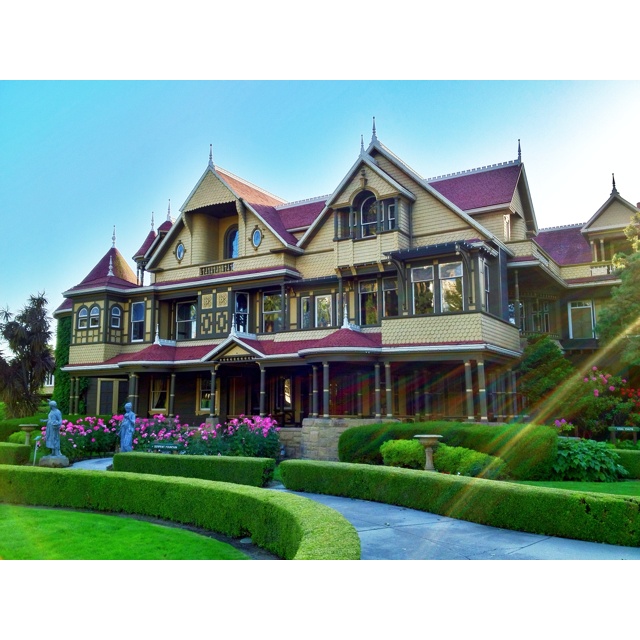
256	472
467	462
529	451
290	526
554	512
14	453
630	460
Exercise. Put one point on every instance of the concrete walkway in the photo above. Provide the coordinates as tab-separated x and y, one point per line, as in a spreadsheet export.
388	532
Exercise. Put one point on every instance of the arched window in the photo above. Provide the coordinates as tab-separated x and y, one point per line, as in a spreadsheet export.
231	243
94	316
83	316
116	316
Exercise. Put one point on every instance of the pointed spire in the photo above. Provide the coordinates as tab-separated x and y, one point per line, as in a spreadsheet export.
169	218
110	273
614	191
519	153
374	137
113	237
345	318
211	156
157	340
361	144
152	222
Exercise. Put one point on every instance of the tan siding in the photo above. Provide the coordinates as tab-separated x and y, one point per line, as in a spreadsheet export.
210	191
516	203
615	215
493	223
518	228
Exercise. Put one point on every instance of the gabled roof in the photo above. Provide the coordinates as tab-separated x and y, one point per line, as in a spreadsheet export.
122	277
301	214
566	244
614	197
480	188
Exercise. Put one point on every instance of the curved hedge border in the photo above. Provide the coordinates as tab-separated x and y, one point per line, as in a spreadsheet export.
14	453
255	472
529	451
552	512
290	526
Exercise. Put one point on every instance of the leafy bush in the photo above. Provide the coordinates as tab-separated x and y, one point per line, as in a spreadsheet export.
587	461
528	451
466	462
409	454
630	460
553	512
14	453
290	526
256	472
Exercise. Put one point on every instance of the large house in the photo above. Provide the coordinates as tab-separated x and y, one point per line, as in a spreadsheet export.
395	297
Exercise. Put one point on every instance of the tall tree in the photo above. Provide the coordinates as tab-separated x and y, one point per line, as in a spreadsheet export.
27	335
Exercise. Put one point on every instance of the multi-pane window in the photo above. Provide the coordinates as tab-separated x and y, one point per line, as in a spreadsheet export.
451	287
159	395
186	320
94	317
369	217
368	302
486	287
323	311
83	318
137	321
422	279
389	216
204	404
271	312
241	318
389	297
305	312
116	317
581	319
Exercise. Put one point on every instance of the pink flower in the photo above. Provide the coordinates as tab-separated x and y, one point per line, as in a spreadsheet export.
596	393
612	388
594	368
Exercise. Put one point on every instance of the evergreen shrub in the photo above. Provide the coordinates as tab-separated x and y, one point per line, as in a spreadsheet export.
14	454
528	451
554	512
630	460
587	461
408	454
466	462
256	472
290	526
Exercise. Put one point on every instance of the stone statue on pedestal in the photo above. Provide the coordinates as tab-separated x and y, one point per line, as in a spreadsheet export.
52	438
127	428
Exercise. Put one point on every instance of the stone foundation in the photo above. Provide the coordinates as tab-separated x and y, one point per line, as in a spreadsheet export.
291	439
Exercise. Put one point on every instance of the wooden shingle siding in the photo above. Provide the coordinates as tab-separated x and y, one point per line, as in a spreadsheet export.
210	191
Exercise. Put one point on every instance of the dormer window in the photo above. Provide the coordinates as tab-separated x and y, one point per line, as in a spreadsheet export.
94	317
231	243
83	318
116	317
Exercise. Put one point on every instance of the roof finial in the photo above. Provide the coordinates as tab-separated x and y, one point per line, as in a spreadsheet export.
113	237
157	340
110	273
519	152
169	211
361	143
345	317
614	191
211	155
152	222
374	136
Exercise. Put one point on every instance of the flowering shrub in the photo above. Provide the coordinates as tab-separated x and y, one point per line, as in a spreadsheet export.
244	436
85	437
598	401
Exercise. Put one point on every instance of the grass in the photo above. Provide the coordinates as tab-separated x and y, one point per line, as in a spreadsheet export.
28	533
629	488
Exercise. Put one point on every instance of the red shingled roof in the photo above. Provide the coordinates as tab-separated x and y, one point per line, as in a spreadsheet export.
122	278
248	192
248	272
272	218
160	353
566	245
477	189
302	214
142	251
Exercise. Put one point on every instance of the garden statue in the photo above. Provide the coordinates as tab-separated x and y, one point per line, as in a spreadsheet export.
54	422
126	428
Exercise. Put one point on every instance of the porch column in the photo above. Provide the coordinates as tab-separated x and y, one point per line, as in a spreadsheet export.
134	399
516	302
132	388
376	367
76	397
72	387
325	389
482	390
172	395
416	394
513	393
469	385
212	401
314	407
602	258
428	409
388	389
263	392
359	384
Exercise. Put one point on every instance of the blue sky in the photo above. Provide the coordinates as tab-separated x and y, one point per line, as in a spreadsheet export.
78	157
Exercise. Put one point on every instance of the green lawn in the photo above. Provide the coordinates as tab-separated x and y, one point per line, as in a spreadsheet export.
624	488
28	533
